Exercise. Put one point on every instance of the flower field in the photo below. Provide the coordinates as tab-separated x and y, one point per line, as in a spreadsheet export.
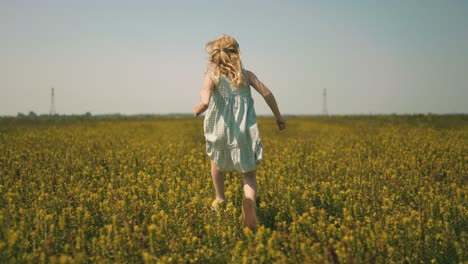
350	189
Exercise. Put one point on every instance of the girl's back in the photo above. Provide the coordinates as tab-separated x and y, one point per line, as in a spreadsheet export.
230	126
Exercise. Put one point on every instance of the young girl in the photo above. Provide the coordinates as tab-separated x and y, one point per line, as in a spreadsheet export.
230	125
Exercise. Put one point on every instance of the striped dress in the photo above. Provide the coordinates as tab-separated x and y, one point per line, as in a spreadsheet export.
230	127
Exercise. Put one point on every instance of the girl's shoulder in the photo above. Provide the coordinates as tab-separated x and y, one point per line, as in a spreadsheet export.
211	72
248	75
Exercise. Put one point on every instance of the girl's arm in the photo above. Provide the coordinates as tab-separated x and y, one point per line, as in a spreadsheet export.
269	98
205	95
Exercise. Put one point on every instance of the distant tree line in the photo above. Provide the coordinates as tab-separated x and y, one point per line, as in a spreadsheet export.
32	114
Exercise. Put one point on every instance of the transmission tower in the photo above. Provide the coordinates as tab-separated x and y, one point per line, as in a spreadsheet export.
52	102
325	110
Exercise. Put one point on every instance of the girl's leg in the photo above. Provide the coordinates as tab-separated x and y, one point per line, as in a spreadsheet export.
248	203
218	181
250	185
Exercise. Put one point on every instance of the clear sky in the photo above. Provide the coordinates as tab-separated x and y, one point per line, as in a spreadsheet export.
132	57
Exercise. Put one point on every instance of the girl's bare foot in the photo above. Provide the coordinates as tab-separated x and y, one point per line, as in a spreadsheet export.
217	205
250	219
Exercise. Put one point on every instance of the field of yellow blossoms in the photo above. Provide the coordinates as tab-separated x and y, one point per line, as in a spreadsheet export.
346	189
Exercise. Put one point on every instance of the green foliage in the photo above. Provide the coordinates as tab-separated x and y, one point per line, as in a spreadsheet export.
349	189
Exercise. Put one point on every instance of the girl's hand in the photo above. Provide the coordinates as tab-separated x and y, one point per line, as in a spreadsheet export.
281	123
200	108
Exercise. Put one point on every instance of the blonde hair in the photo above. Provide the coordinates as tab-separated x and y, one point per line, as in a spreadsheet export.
224	58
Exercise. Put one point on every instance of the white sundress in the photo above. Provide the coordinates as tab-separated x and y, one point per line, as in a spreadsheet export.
230	127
